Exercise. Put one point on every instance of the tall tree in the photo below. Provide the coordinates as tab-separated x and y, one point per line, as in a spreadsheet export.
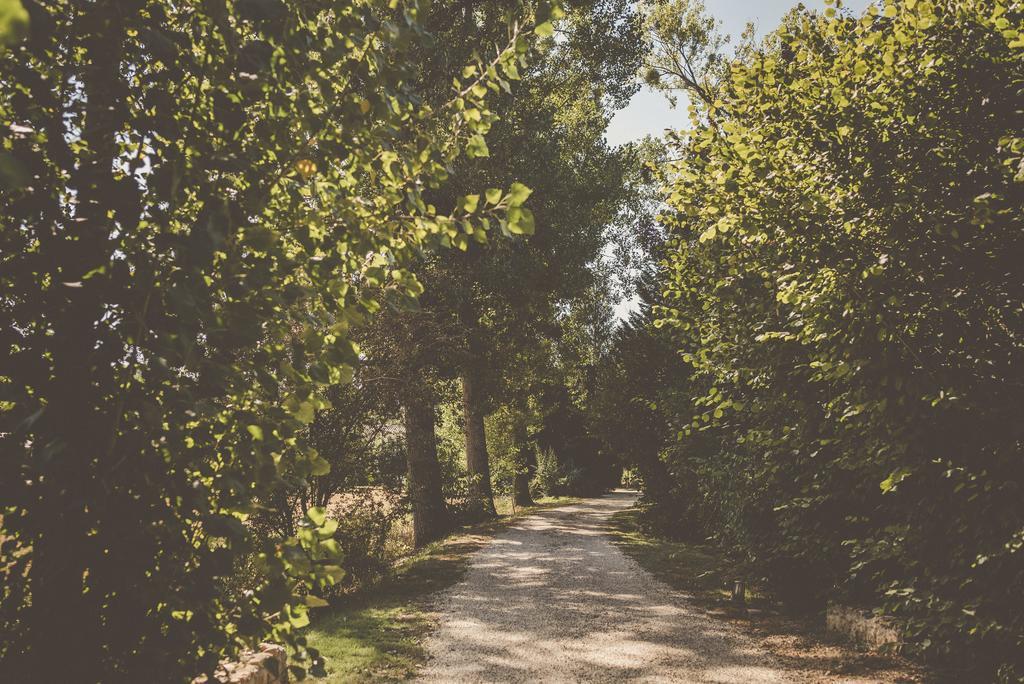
404	356
839	274
429	515
195	206
504	294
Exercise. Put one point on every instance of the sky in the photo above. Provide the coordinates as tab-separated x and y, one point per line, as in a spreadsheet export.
649	112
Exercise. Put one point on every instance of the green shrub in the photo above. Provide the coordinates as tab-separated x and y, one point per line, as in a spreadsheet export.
631	479
368	521
548	480
844	274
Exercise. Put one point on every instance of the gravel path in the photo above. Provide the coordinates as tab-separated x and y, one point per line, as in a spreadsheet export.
553	600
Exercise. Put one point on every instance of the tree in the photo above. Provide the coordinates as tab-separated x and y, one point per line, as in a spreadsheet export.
641	383
404	358
196	206
490	297
503	295
429	515
685	49
838	275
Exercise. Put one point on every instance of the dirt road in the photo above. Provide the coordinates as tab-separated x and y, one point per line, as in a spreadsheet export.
553	600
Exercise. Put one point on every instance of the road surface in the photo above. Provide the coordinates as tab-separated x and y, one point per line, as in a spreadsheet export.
553	600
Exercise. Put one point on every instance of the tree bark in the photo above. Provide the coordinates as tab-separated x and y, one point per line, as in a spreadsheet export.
67	574
477	460
429	517
527	464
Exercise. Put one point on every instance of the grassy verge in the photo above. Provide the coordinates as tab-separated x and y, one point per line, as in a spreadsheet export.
377	634
798	643
697	569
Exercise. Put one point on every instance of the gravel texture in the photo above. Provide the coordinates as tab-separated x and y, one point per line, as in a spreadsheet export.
553	600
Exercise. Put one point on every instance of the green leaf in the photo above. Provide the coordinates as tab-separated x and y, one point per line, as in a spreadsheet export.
327	530
319	466
302	411
256	431
518	194
895	477
477	147
298	617
315	601
13	22
317	515
469	203
548	10
520	221
528	225
493	195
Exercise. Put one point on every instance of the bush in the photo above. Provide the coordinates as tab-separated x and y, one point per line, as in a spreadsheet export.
368	521
631	479
548	479
839	274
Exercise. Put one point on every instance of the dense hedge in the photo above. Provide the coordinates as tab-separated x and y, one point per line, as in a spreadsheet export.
845	275
199	200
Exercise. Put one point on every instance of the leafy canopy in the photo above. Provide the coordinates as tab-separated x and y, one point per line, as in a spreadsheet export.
839	275
200	202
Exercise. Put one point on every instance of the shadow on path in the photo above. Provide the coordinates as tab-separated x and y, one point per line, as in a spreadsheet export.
552	600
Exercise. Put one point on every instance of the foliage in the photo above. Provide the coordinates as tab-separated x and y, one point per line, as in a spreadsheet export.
368	520
494	300
199	202
707	577
13	22
221	260
548	479
631	479
842	274
507	442
685	52
641	385
358	436
565	432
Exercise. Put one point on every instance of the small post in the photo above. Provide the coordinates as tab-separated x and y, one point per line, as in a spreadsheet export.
739	593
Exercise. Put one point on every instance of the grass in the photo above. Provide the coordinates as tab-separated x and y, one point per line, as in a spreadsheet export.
797	642
697	569
377	634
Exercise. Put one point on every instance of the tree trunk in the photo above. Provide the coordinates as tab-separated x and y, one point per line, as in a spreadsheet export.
67	574
429	518
655	477
527	464
477	461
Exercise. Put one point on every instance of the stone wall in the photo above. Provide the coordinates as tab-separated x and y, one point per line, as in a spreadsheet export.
863	627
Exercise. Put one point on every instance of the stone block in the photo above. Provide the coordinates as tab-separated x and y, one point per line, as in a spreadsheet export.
863	627
268	665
